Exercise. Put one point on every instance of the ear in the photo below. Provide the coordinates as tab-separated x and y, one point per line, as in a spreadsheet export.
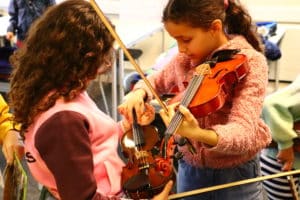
89	55
216	25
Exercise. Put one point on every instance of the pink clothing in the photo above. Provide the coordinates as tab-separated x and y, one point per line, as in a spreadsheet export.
242	133
103	134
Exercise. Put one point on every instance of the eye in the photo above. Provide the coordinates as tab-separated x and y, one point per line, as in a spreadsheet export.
185	40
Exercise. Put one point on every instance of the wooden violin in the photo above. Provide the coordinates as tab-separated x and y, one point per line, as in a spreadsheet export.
209	88
146	173
213	82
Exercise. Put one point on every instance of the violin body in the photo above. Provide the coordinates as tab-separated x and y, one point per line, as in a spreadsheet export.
146	173
216	86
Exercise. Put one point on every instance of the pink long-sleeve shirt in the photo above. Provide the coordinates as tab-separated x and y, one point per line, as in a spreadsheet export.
241	131
72	150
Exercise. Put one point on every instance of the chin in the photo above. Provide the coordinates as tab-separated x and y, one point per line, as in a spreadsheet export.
196	61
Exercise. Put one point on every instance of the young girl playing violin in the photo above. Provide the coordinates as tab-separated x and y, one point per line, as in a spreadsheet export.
227	141
70	145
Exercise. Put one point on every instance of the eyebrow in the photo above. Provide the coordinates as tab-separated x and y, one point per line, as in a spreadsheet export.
182	37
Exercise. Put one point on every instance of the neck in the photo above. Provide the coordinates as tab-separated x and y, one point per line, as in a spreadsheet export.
223	39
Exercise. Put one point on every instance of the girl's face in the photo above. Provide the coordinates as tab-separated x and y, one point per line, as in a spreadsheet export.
196	43
107	62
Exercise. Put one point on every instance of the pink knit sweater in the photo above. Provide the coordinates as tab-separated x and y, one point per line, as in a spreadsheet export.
242	133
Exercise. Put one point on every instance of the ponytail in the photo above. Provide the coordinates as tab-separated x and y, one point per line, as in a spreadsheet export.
238	21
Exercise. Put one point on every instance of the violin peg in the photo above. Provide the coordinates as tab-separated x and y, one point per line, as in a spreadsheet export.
178	155
182	141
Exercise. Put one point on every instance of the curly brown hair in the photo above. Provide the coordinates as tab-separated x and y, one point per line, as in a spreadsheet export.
201	13
63	50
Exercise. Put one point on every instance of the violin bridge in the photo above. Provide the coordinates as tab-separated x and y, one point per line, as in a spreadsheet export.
141	155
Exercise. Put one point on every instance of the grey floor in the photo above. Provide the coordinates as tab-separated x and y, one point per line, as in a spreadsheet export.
32	191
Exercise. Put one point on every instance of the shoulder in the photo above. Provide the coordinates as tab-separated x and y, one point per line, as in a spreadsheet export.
62	128
240	42
65	118
62	123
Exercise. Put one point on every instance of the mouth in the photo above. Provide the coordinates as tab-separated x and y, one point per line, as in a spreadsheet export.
190	56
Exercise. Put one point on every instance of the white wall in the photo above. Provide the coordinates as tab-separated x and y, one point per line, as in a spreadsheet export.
4	5
285	11
287	14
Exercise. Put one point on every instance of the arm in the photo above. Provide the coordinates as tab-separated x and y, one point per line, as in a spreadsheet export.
6	122
9	138
13	21
242	130
70	144
162	82
281	110
165	79
278	117
236	128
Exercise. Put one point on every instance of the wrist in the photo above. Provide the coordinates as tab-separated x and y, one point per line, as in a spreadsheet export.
125	126
207	136
141	92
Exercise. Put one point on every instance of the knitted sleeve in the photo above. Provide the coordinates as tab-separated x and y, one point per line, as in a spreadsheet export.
164	80
281	109
243	130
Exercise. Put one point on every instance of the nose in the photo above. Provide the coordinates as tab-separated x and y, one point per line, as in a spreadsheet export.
182	48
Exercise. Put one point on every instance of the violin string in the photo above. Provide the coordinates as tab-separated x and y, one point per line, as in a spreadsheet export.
194	85
193	89
196	81
176	119
184	100
137	135
141	141
190	92
190	88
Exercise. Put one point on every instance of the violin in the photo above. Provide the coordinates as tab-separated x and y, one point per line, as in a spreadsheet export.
210	87
146	173
208	90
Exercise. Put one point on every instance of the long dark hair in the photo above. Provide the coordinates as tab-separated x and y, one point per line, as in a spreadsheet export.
64	48
201	13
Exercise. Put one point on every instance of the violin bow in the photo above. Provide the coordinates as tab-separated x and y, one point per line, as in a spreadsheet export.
232	184
294	191
126	52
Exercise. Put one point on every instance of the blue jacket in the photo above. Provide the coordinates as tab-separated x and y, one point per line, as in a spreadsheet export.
23	13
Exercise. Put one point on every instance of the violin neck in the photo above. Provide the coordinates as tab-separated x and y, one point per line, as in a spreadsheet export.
137	131
189	94
138	136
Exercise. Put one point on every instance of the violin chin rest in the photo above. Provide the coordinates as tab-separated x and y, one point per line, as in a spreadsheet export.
137	182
